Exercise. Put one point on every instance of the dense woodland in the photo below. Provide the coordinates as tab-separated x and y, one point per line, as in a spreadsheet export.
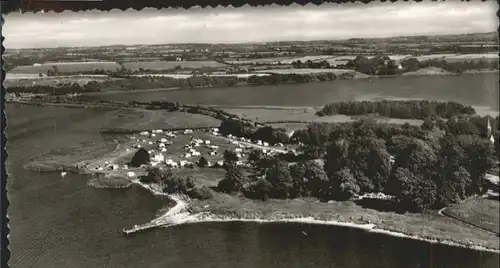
422	168
411	109
431	166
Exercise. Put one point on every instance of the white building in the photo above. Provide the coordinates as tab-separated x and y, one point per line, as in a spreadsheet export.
159	158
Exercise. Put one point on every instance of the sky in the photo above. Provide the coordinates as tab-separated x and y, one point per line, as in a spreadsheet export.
248	24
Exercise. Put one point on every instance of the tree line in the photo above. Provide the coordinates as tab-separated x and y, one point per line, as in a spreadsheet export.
409	109
127	82
248	130
422	168
383	65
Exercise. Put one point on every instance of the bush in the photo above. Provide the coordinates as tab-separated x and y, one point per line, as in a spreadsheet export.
200	192
345	184
234	180
202	162
154	175
414	193
259	190
230	157
141	157
179	185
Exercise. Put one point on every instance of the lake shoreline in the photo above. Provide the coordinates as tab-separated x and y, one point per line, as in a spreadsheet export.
356	76
182	213
223	208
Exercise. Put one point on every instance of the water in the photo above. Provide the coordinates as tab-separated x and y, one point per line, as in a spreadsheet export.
477	90
61	222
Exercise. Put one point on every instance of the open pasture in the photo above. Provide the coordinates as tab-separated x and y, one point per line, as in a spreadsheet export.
304	115
272	60
67	67
474	57
480	212
137	120
167	65
54	81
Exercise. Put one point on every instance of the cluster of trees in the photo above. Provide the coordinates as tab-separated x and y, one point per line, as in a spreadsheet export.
383	65
271	177
275	79
412	109
174	184
151	82
241	128
422	168
61	89
311	65
378	65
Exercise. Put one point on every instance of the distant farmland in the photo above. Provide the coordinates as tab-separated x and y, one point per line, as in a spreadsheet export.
166	65
280	60
459	57
307	71
464	57
66	67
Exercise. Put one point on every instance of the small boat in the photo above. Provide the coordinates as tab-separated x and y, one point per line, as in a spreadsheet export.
63	173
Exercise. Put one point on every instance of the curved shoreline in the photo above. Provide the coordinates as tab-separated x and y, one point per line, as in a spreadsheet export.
180	214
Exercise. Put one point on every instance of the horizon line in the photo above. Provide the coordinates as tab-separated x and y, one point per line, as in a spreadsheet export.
256	42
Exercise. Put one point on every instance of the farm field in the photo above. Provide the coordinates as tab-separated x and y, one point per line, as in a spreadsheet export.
480	212
458	57
185	76
55	81
272	60
166	65
464	57
307	71
66	67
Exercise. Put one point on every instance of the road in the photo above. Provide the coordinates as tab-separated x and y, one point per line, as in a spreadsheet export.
252	145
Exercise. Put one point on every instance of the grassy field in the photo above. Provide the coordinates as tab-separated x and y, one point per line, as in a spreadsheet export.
54	81
166	65
155	119
425	225
305	114
464	57
458	57
185	76
480	212
272	60
73	67
429	71
307	71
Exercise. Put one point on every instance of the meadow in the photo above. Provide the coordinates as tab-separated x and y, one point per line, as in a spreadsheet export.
308	71
286	115
55	81
166	65
66	67
137	120
480	212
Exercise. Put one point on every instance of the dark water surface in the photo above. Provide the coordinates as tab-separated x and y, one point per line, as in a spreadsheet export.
61	222
477	90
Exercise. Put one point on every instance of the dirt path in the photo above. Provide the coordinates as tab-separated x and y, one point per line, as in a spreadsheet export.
252	145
